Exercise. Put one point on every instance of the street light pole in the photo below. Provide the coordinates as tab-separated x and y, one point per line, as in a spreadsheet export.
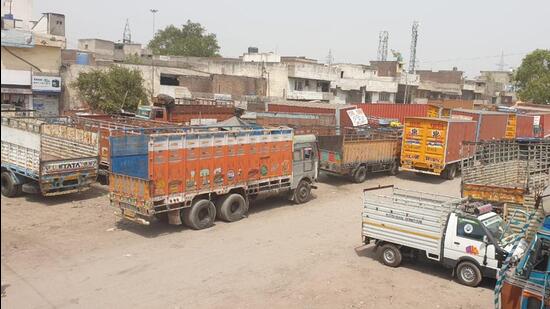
153	11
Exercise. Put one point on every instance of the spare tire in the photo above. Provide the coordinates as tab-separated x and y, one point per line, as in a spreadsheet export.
200	215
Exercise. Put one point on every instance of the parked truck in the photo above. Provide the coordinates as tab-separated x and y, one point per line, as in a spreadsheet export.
358	152
465	236
47	156
194	175
196	111
433	145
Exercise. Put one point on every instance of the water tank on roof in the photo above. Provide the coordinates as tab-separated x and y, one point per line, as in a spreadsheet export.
253	50
82	58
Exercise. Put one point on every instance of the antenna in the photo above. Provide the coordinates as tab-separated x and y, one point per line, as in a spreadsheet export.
127	36
501	65
330	57
382	46
414	39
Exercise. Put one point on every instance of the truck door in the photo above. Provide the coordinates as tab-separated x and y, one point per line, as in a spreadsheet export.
305	161
465	238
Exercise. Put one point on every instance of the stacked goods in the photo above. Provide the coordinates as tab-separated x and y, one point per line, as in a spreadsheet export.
46	155
356	152
194	174
432	145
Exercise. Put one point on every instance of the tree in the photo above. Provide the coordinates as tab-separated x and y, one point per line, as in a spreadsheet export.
111	90
533	77
190	40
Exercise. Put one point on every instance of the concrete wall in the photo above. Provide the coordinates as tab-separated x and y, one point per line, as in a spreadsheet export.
45	59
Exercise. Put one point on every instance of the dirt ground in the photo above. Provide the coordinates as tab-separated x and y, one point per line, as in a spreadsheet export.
71	251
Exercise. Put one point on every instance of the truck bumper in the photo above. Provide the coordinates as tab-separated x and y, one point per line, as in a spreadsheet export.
131	216
423	171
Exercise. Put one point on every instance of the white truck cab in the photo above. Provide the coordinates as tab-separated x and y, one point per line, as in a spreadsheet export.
463	235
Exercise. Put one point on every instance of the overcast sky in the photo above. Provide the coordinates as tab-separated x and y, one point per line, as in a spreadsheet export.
468	34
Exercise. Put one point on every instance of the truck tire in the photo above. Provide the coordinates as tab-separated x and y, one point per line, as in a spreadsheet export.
450	172
394	169
360	174
468	273
232	207
302	193
390	255
9	188
200	215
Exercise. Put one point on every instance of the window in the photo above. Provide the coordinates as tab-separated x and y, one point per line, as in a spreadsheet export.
85	46
298	85
308	153
384	97
169	80
469	228
297	155
341	74
159	114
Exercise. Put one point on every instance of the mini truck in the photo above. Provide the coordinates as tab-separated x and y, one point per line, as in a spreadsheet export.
357	152
464	236
194	175
47	156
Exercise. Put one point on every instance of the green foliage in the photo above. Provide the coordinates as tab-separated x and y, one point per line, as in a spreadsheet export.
133	59
533	77
190	40
111	90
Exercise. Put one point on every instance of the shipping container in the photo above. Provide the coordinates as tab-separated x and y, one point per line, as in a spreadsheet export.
392	111
358	152
301	123
452	104
46	155
525	126
433	145
192	174
490	125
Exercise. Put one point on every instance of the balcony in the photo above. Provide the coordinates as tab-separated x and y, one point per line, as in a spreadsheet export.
309	96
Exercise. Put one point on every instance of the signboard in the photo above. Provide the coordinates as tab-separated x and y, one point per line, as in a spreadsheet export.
357	117
536	121
17	38
46	83
203	121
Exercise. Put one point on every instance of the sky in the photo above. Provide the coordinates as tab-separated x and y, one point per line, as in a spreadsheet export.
468	34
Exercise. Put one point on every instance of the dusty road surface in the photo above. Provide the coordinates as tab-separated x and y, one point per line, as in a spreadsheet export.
71	251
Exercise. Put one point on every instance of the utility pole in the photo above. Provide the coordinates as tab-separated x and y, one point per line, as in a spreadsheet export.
501	65
127	35
153	11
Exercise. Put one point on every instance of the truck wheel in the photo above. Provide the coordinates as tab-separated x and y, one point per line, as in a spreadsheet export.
232	208
199	216
450	172
360	175
9	188
390	255
302	193
394	169
468	274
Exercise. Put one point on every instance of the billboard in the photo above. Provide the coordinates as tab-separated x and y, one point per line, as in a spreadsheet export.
46	83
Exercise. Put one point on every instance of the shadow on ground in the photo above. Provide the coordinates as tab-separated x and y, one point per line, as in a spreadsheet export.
423	265
95	191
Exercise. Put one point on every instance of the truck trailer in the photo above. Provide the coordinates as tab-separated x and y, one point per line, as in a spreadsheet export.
463	235
194	175
46	155
433	145
357	152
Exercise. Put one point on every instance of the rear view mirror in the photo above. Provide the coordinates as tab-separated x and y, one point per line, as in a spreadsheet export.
485	239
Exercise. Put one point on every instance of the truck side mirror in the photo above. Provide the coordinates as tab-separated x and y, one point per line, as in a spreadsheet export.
485	239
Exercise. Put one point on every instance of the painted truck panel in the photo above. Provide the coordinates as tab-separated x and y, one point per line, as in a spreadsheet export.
431	143
182	165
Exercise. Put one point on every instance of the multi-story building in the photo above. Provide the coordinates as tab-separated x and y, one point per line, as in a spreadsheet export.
31	58
499	87
357	83
440	85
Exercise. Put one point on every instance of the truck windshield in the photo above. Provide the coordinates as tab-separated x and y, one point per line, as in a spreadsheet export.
144	113
495	225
